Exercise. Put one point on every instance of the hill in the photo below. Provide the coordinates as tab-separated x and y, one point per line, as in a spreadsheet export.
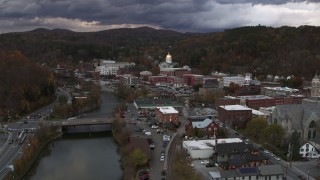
260	50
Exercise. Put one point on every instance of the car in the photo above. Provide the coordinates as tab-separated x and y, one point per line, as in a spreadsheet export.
154	127
152	145
266	152
277	158
163	173
272	155
161	158
144	177
148	133
204	162
210	164
159	131
162	153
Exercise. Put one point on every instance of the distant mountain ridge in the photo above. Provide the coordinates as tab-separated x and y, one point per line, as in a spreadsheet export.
260	49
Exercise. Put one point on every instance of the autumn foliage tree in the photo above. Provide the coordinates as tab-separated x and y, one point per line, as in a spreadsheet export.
25	85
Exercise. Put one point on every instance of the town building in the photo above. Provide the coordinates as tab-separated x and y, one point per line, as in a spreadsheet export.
315	86
205	127
128	79
303	118
279	91
238	155
309	150
144	75
192	79
258	101
239	80
167	115
109	67
236	116
205	148
150	104
270	172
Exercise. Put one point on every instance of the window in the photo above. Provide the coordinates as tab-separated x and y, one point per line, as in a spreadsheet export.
301	150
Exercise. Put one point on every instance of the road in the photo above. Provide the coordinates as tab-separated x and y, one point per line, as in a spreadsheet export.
9	153
29	123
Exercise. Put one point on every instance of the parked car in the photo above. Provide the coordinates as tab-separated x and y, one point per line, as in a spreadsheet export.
211	164
152	145
204	162
148	133
161	158
154	126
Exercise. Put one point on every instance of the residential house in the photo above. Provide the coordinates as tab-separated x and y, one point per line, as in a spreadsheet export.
206	126
309	150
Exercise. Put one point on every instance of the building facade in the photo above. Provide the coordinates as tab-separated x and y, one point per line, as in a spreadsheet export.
315	86
234	115
167	115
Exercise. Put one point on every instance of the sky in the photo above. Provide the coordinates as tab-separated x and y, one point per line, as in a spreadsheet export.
178	15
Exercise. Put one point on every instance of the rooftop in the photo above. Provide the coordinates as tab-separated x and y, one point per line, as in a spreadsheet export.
209	143
167	110
241	108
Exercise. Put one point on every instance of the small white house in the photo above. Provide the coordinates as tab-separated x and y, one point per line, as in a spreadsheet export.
309	151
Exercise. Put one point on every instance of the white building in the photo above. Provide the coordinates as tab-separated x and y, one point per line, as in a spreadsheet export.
315	86
240	80
205	148
109	67
309	151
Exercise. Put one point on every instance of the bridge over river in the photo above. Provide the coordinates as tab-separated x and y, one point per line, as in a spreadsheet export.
88	125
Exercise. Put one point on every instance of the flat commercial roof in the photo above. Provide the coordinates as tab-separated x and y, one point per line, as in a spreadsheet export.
209	143
167	110
239	107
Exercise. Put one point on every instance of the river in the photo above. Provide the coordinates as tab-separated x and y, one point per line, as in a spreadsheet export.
83	157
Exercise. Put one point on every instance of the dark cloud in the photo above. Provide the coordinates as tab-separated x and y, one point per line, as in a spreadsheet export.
181	15
275	2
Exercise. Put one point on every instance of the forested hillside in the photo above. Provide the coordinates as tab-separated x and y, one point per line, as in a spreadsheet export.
24	85
260	50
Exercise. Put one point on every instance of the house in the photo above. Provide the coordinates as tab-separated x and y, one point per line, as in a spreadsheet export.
167	115
205	148
236	155
206	126
309	151
270	172
235	116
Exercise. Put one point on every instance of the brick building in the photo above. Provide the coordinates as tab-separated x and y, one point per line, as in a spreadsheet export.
206	125
167	114
235	116
192	79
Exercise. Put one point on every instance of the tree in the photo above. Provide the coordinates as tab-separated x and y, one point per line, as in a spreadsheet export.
295	145
140	159
273	134
255	127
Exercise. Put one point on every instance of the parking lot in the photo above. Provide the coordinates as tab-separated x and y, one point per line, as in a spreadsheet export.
156	166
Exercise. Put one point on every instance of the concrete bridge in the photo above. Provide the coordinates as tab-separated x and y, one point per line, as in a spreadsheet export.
89	125
86	125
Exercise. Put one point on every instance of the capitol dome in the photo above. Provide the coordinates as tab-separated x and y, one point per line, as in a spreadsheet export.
168	58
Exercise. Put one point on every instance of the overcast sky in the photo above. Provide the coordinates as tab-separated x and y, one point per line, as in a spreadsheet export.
179	15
